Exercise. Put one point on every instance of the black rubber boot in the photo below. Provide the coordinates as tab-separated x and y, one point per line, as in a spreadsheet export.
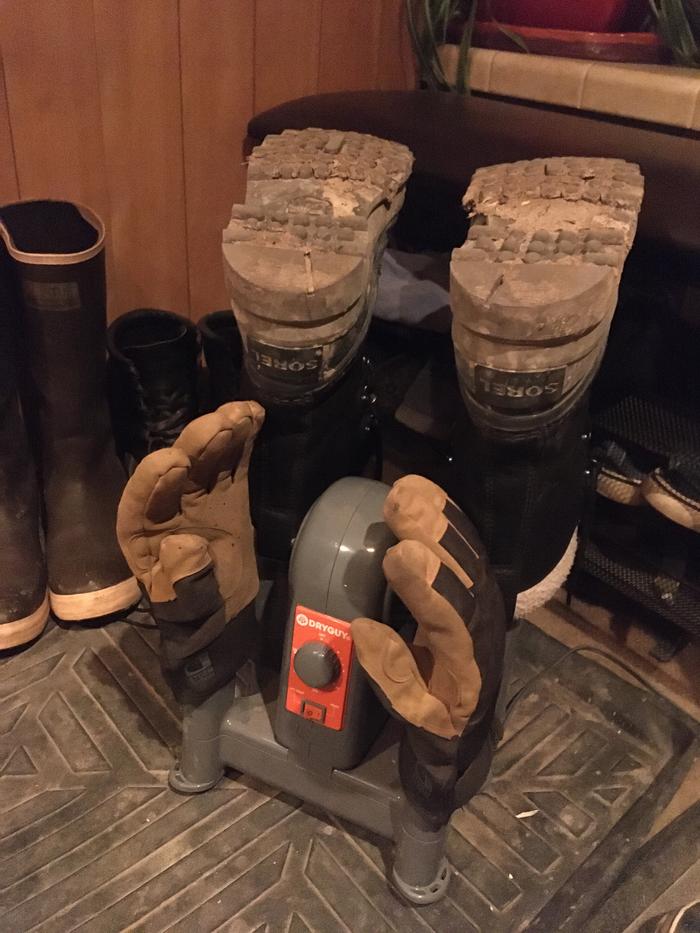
24	599
223	354
524	491
57	251
153	367
533	292
304	446
301	260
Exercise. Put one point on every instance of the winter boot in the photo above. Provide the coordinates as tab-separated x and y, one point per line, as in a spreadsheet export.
674	489
306	446
533	292
24	598
57	250
153	369
184	527
619	478
223	354
302	261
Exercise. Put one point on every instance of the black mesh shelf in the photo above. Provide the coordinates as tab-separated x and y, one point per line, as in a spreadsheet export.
677	601
650	424
630	550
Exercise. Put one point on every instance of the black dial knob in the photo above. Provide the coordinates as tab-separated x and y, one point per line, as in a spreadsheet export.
317	664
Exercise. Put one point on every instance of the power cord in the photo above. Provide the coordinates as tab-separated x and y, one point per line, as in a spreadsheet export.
581	649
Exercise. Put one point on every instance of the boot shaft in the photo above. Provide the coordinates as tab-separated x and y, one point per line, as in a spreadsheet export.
153	367
17	468
524	493
23	604
223	353
57	250
303	448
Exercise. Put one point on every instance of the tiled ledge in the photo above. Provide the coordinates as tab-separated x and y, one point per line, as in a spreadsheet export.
653	93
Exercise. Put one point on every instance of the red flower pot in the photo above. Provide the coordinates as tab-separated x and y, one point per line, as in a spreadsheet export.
583	15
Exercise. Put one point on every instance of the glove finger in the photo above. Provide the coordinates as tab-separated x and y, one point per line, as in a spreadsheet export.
241	411
250	416
213	448
440	604
440	500
412	516
429	490
219	443
216	501
151	498
392	669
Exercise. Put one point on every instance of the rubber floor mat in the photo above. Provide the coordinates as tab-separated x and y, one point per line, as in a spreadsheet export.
91	838
660	879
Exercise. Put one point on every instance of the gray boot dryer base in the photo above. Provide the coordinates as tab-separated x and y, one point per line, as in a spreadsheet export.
336	571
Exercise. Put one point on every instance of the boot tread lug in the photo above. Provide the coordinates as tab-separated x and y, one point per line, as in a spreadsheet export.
522	205
369	170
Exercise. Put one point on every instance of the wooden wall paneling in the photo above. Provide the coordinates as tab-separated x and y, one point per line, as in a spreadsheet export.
139	76
350	33
217	102
53	101
287	43
9	189
140	111
395	66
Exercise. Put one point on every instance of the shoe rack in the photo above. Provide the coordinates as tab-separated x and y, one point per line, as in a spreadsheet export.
635	550
644	402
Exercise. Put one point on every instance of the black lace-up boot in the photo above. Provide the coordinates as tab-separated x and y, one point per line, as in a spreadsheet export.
153	380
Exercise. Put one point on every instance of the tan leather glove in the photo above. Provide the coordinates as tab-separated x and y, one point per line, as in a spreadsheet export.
444	685
184	527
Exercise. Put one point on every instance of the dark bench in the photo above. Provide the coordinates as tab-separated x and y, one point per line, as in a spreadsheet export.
451	136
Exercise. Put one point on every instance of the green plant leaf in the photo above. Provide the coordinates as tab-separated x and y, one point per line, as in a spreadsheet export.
514	37
676	31
428	23
431	20
425	66
462	81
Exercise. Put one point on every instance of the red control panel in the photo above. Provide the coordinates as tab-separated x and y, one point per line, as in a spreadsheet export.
319	667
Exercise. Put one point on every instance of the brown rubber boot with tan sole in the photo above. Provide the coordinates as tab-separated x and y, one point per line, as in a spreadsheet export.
56	251
24	597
